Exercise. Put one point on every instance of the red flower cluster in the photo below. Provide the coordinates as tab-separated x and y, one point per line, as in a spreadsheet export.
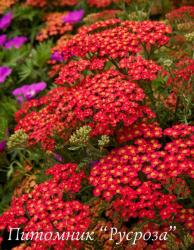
181	13
55	65
101	25
72	72
182	73
178	186
136	67
117	175
37	3
103	3
6	4
103	15
128	173
68	179
54	94
44	3
178	131
55	69
54	25
139	68
65	2
186	216
44	210
156	244
115	42
180	79
103	101
139	130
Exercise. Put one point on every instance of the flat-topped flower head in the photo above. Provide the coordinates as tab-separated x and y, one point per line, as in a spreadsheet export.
4	73
54	25
44	208
5	20
180	14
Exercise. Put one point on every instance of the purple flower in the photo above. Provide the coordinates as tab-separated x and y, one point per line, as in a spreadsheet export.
27	92
15	42
56	56
4	73
58	157
74	16
6	20
2	39
2	145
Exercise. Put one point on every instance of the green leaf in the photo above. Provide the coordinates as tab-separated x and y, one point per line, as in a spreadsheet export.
8	107
42	54
3	128
25	70
10	172
74	148
26	13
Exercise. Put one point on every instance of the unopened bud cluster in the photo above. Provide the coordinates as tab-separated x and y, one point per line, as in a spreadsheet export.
167	62
104	141
80	136
138	15
185	26
18	139
189	37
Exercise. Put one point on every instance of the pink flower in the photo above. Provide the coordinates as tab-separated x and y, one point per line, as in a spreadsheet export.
4	73
6	20
27	92
74	16
2	39
15	42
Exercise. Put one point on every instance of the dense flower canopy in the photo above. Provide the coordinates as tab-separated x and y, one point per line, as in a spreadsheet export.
116	39
103	100
43	209
96	100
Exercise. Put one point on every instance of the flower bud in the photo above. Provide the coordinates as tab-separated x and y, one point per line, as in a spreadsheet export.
189	37
167	62
80	136
104	141
18	139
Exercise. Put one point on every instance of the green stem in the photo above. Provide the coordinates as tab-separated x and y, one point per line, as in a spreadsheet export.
147	54
117	66
176	108
153	101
